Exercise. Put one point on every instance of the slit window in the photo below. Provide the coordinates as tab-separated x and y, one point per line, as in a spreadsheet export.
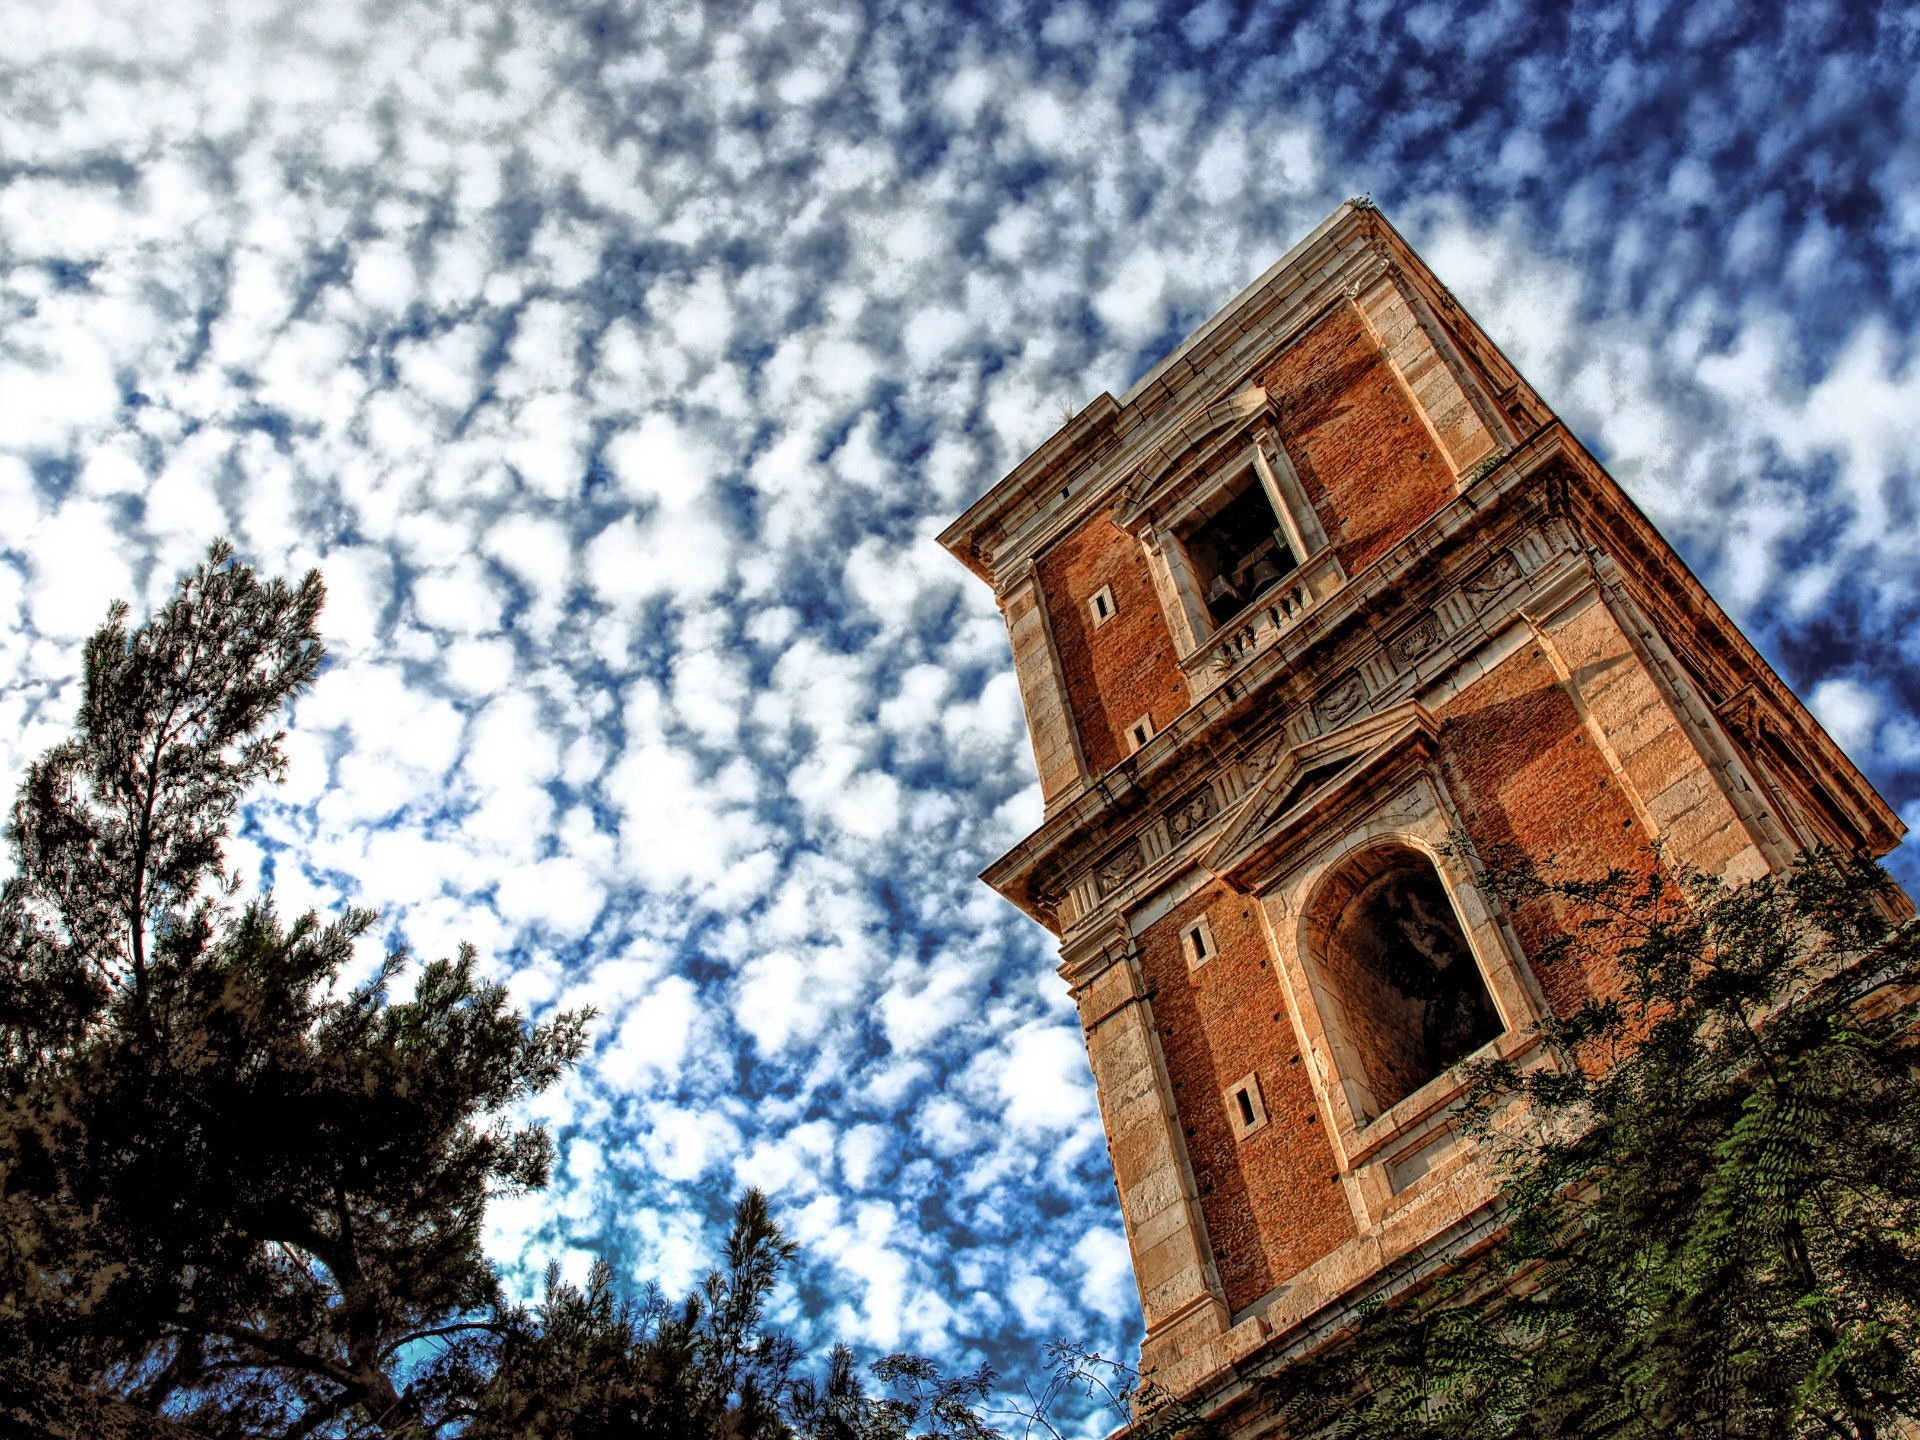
1102	605
1197	941
1246	1109
1139	733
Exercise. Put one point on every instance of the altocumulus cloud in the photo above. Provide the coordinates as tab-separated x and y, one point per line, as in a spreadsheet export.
617	364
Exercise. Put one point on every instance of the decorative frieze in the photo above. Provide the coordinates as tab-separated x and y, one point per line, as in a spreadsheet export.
1192	813
1492	579
1417	639
1341	703
1119	867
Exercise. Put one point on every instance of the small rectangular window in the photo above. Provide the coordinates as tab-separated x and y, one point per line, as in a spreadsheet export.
1246	1110
1102	605
1139	733
1197	941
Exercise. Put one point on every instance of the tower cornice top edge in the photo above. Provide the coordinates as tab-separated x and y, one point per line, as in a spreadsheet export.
1029	488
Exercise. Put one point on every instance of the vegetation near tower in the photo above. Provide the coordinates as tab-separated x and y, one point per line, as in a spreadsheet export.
242	1198
1712	1200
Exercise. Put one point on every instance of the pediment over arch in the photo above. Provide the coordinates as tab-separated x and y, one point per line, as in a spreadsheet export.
1311	779
1206	423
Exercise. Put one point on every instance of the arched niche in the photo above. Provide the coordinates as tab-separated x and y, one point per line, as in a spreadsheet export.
1402	995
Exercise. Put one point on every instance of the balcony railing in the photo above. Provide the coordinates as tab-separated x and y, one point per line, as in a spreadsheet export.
1272	614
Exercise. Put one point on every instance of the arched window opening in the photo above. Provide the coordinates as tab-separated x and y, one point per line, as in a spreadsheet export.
1407	998
1239	549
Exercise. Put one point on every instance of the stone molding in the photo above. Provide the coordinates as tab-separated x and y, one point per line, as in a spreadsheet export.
1264	681
1533	645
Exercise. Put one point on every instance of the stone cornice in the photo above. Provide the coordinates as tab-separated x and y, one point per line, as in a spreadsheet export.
1176	404
1094	819
1549	472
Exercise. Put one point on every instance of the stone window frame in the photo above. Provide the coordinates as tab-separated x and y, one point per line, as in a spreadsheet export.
1173	571
1335	1023
1285	845
1197	943
1373	1151
1101	606
1246	1106
1139	733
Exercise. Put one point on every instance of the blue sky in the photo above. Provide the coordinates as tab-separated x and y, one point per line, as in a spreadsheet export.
616	365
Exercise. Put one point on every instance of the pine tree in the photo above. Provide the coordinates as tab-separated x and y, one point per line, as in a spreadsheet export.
1712	1197
238	1200
588	1364
228	1191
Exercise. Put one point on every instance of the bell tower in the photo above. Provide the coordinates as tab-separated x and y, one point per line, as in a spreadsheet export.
1327	588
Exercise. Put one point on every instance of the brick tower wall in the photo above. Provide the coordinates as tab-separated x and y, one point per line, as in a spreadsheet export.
1119	670
1483	636
1371	466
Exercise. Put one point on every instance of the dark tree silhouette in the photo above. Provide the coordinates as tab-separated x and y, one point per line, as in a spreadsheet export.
241	1199
229	1191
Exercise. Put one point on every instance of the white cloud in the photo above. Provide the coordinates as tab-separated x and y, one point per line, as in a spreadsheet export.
649	1043
1040	1078
1850	711
657	460
711	736
78	570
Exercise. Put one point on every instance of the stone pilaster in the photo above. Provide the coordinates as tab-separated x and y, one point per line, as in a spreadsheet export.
1642	734
1409	346
1180	1293
1043	689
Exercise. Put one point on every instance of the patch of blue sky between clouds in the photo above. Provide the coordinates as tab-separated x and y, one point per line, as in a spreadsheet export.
617	367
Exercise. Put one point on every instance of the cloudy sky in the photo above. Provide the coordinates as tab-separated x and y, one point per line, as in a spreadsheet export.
616	364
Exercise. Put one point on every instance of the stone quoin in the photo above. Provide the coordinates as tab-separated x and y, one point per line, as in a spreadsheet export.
1327	587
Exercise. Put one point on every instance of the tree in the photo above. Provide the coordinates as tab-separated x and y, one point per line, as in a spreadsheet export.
590	1365
1137	1408
1712	1195
229	1191
239	1200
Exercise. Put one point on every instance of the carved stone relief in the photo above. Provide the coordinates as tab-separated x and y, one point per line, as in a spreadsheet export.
1741	715
1115	869
1417	639
1492	578
1192	813
1342	701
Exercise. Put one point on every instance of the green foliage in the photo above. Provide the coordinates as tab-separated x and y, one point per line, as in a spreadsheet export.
589	1364
116	832
240	1196
1138	1409
231	1188
1712	1191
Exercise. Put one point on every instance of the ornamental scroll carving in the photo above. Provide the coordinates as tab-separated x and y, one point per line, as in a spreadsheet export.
1416	640
1115	869
1741	714
1342	701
